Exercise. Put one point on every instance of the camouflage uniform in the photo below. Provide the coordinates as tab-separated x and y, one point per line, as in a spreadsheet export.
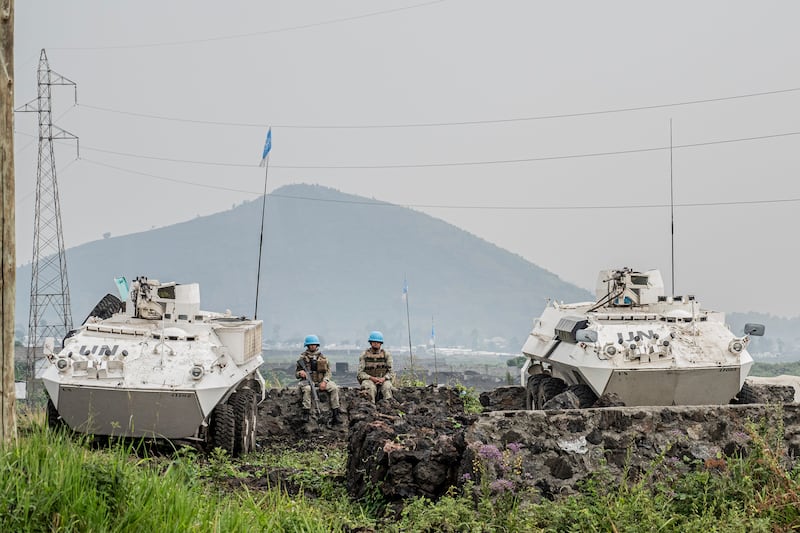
377	364
320	370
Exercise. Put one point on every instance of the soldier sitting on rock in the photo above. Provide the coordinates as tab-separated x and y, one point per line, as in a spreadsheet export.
320	371
375	368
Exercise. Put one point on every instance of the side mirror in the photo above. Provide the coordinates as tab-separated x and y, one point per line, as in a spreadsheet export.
754	330
49	343
586	335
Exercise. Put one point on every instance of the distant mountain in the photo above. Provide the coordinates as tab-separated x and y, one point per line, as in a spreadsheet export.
333	265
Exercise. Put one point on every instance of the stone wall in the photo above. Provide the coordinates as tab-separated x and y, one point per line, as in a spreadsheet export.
553	451
422	443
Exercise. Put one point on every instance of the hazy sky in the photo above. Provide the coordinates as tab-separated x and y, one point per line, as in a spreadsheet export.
455	108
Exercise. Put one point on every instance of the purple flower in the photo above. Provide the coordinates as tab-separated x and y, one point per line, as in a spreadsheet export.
501	485
466	477
739	436
514	447
490	452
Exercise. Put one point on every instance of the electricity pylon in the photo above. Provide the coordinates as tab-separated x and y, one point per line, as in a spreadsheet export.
50	314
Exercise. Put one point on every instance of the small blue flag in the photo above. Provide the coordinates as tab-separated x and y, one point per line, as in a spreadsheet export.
433	335
267	148
405	290
122	288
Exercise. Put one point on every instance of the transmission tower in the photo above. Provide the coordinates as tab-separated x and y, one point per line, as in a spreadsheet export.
50	314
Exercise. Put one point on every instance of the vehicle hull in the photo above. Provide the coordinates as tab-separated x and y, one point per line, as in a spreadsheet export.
158	366
130	413
685	386
638	344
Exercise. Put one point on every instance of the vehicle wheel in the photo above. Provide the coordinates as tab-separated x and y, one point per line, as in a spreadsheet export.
244	407
548	389
563	400
747	395
106	307
584	393
223	428
254	425
532	389
54	420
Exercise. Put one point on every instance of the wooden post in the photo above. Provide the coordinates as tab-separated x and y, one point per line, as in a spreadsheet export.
8	256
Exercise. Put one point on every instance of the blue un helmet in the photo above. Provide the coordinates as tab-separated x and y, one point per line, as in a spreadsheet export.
376	336
311	339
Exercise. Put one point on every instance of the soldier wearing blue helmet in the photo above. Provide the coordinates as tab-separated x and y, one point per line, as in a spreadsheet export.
375	368
320	372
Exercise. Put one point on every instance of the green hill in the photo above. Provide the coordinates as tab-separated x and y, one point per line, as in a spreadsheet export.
333	264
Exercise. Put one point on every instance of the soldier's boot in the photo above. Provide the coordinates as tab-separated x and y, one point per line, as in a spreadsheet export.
306	415
336	417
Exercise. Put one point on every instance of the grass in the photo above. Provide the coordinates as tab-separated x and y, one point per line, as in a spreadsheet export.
51	481
472	403
776	369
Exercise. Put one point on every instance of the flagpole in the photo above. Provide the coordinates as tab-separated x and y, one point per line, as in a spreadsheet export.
261	237
435	366
408	323
265	160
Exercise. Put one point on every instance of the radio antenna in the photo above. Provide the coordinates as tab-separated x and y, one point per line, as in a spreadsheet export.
671	210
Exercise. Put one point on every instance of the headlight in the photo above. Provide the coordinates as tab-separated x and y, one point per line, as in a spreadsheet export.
611	350
197	372
736	346
62	364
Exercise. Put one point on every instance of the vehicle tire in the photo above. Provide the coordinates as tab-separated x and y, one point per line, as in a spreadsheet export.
106	307
584	393
548	389
244	407
223	428
54	420
563	400
747	395
532	389
254	424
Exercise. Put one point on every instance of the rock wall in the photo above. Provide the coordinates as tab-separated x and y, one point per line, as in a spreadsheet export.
409	447
280	420
422	443
553	451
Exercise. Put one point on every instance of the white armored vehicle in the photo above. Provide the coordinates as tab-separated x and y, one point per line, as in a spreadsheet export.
156	366
637	343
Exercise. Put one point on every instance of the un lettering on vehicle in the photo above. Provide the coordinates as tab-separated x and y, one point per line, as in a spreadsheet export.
638	333
99	349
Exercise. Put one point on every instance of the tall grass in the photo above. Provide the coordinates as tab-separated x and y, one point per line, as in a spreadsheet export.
51	481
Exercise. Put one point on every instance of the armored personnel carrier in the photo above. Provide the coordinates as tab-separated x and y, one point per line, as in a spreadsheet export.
636	346
156	366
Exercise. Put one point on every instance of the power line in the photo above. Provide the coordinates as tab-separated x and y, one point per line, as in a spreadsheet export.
173	180
437	124
454	163
376	203
252	34
34	138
